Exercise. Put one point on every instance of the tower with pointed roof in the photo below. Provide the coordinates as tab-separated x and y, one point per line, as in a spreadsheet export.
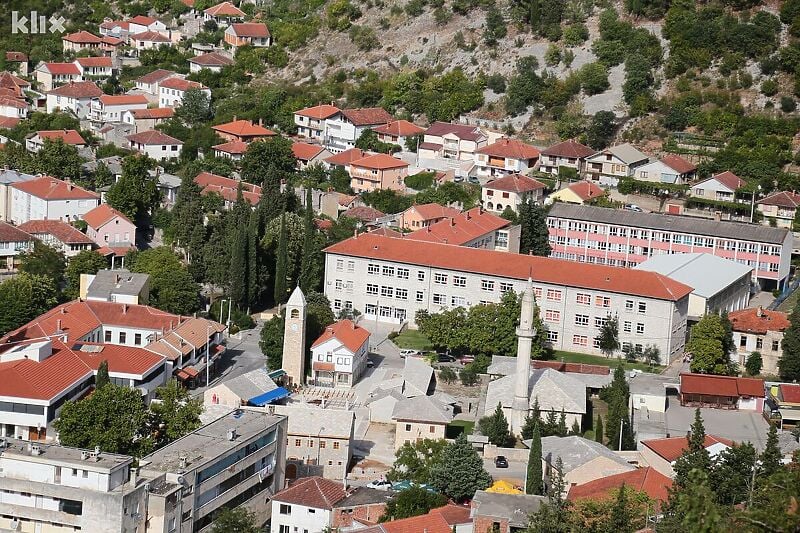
525	334
294	338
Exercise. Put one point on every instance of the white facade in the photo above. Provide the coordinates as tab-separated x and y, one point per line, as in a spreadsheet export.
487	166
347	366
102	113
340	134
80	107
158	151
12	111
294	518
25	207
168	97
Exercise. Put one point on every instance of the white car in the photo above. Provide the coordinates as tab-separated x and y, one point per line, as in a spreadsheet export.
379	484
409	353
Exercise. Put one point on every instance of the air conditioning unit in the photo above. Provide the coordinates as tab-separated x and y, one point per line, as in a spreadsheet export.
147	487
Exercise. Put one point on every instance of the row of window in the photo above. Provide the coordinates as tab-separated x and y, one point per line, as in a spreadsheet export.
759	343
322	443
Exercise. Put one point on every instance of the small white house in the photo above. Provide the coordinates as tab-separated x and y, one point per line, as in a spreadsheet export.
306	505
339	355
13	108
111	108
615	162
720	187
213	61
669	169
511	191
503	157
95	67
155	144
148	40
74	97
143	23
149	83
47	198
172	90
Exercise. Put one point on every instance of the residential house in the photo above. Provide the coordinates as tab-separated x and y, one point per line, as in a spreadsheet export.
718	285
574	298
242	131
17	62
443	140
582	461
343	129
59	235
671	169
74	97
568	154
511	191
233	150
227	188
423	215
627	238
343	159
647	480
503	513
118	286
108	108
172	90
307	504
111	46
377	171
35	141
155	144
223	14
782	407
147	119
420	417
13	241
362	506
254	388
12	110
449	518
310	121
143	23
148	40
615	162
7	178
759	330
727	392
661	454
149	83
95	68
13	83
505	157
108	227
580	192
398	132
368	216
720	187
255	34
780	207
213	61
309	154
81	40
47	198
51	75
339	355
474	228
320	440
119	29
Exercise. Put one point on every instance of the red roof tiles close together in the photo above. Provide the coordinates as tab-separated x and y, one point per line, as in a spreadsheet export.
671	448
347	332
59	229
103	214
758	320
319	112
49	188
314	492
66	136
510	149
648	480
712	385
515	183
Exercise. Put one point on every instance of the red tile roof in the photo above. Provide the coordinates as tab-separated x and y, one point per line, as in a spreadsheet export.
462	131
243	128
227	187
319	112
721	385
399	128
78	89
515	183
62	69
790	393
781	199
256	30
379	162
758	320
181	84
16	57
346	157
233	147
121	359
460	229
103	61
672	447
678	164
367	116
541	269
156	75
439	520
305	151
59	229
224	9
9	233
586	190
153	137
8	122
572	368
314	492
569	149
347	332
112	41
433	211
82	37
111	24
142	20
26	378
12	102
150	36
648	480
155	112
730	180
363	213
66	136
17	85
211	59
49	188
103	214
123	99
510	148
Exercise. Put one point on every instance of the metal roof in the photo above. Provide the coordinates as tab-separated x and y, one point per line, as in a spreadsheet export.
707	274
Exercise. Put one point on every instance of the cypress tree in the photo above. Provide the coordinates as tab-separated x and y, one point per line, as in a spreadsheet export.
771	456
102	379
280	264
533	481
598	429
621	519
307	281
238	269
789	362
534	235
253	261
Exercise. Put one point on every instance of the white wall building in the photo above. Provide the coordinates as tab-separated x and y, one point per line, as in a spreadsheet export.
172	90
155	145
339	355
109	108
307	506
343	129
73	97
48	198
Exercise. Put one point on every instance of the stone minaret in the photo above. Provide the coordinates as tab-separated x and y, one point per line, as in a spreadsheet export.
294	338
525	334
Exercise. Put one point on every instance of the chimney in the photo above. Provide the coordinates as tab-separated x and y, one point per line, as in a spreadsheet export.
452	222
63	310
58	325
124	309
261	122
760	311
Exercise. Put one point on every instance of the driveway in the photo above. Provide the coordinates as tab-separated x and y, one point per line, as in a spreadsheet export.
514	474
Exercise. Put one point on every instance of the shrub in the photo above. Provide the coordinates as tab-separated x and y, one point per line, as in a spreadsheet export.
769	87
497	83
420	181
576	34
788	104
364	38
552	56
594	78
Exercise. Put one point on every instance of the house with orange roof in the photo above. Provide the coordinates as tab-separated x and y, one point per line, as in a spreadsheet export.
143	23
172	90
48	198
446	519
474	228
339	355
569	154
95	68
306	504
648	480
343	129
397	132
51	75
35	141
13	109
147	119
759	330
725	392
343	159
119	29
149	83
580	192
110	108
255	34
443	140
242	130
74	97
108	227
59	235
377	171
155	144
780	207
213	61
505	156
782	407
309	154
671	168
423	215
720	187
17	85
310	121
227	188
148	40
233	150
661	454
223	14
80	40
511	191
13	241
18	62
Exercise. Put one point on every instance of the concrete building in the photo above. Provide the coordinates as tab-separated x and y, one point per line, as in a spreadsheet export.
569	154
310	121
147	119
51	75
95	68
510	192
7	178
156	145
250	388
294	338
725	392
671	168
362	506
580	192
172	90
242	131
398	132
227	188
423	215
109	227
342	129
47	198
74	97
717	284
648	480
449	518
627	238
309	154
475	228
339	355
306	505
56	489
503	513
614	162
661	454
108	108
13	241
377	171
582	460
505	157
720	187
148	40
443	140
759	330
212	61
255	34
319	440
236	460
116	286
575	299
780	207
60	235
420	417
223	14
149	83
648	392
35	141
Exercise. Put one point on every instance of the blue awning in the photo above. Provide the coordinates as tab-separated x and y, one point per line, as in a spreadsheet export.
269	397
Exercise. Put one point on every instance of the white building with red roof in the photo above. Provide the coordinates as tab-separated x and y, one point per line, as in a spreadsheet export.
306	504
721	187
255	34
110	108
309	154
213	61
74	97
51	75
233	150
393	278
147	119
671	169
759	330
511	191
14	109
343	129
339	355
378	171
60	235
475	228
661	454
780	207
423	215
397	132
148	40
505	156
580	192
13	241
35	141
242	130
155	145
108	227
143	23
149	83
172	90
48	198
569	154
443	140
80	40
15	84
95	67
227	188
310	121
224	13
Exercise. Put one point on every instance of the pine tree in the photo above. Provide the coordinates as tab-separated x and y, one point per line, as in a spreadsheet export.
495	427
253	261
102	379
789	362
238	267
598	429
280	264
460	472
534	481
621	517
561	430
534	235
187	218
695	456
771	456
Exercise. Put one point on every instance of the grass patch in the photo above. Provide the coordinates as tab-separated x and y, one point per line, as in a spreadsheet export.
787	306
457	427
412	339
572	357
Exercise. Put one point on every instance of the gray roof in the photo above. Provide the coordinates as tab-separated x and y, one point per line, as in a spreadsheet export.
113	163
592	381
417	374
251	384
514	507
64	455
423	409
108	282
330	423
12	176
650	384
576	451
628	153
662	222
502	365
554	390
707	274
170	181
364	496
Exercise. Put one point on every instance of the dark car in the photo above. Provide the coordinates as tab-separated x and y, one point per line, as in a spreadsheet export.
445	358
500	462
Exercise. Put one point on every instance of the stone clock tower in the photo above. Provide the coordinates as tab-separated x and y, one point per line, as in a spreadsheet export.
294	338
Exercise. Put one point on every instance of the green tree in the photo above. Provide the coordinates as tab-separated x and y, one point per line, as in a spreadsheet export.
85	262
495	427
271	157
495	26
621	519
415	460
271	342
695	456
23	298
188	223
58	159
598	429
172	288
694	507
771	458
43	260
753	364
281	291
448	375
601	129
195	107
789	362
460	472
534	235
369	142
608	338
594	78
136	193
534	482
708	341
235	520
413	501
101	379
176	414
555	515
310	275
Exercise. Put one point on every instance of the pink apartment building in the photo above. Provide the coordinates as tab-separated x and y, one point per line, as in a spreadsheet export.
626	238
108	227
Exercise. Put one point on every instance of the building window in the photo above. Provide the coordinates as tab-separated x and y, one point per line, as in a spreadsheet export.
402	273
439	299
401	294
460	281
285	509
420	296
642	307
487	285
581	320
373	269
600	321
583	298
629	305
580	340
372	289
339	284
552	316
506	287
639	328
743	341
387	292
554	295
335	445
458	301
351	266
297	442
759	343
602	301
775	346
552	336
108	336
420	275
122	337
388	271
440	279
627	326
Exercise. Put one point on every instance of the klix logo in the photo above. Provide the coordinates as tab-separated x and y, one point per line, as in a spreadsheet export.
38	23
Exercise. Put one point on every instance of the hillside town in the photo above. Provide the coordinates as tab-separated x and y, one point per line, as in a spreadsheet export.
299	267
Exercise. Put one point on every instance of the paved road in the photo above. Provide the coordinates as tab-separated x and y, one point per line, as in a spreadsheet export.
514	474
241	356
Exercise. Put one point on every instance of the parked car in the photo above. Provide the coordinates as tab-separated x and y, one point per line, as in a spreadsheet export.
500	461
409	353
445	358
379	484
466	359
475	180
633	207
458	179
370	364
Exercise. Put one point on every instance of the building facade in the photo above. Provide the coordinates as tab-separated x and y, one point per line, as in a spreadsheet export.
759	330
47	198
339	355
